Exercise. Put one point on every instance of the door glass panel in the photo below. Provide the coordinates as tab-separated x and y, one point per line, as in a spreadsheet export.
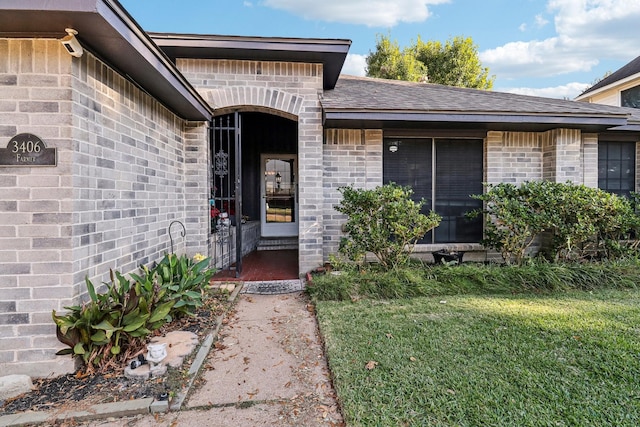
280	191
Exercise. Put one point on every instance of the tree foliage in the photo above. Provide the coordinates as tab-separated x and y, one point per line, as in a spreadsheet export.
454	63
389	62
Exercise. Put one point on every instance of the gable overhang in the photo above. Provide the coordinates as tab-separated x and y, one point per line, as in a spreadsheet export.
331	53
110	33
585	96
486	121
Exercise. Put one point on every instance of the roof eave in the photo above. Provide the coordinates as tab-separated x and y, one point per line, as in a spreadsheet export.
331	53
627	128
107	30
334	118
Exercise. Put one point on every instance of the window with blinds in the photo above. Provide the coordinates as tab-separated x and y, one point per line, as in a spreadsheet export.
444	172
617	167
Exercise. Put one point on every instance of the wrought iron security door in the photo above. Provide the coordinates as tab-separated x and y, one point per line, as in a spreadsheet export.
226	188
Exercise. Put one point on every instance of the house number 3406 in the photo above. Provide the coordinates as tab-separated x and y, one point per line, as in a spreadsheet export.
25	147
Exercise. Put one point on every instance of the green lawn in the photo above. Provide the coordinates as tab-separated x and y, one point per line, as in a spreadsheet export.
570	359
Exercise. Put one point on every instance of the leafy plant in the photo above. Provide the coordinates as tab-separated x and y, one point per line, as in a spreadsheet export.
183	279
98	330
383	221
619	234
113	323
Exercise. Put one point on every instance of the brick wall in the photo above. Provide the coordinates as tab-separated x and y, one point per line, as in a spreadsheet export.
276	87
590	160
558	155
351	157
137	168
513	157
197	169
562	156
36	219
119	182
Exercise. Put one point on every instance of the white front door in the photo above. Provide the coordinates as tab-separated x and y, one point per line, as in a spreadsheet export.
279	207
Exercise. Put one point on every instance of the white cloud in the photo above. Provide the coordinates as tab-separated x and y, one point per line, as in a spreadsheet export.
586	31
372	13
569	91
247	3
544	58
355	65
540	21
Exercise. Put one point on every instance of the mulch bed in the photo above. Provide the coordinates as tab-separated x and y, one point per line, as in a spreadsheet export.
76	390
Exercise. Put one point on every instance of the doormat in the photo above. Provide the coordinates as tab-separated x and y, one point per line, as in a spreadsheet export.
272	287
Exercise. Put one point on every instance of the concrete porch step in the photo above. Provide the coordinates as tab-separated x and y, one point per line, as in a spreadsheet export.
277	243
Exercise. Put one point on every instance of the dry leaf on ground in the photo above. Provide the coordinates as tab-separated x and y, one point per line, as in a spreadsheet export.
371	365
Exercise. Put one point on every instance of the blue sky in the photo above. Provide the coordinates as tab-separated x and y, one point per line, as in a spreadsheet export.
552	48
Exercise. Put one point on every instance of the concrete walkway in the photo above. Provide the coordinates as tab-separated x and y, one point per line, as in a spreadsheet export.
268	369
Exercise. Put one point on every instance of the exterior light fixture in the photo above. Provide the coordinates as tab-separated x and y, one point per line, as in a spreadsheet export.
278	179
393	147
71	44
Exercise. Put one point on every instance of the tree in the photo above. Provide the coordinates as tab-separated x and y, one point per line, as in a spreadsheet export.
454	63
388	62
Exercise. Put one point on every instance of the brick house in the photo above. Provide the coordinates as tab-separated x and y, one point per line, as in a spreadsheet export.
150	129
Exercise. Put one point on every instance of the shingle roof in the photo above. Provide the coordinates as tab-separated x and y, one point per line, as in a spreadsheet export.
630	69
370	94
360	102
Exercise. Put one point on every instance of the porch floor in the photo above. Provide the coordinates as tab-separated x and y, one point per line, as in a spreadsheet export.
264	266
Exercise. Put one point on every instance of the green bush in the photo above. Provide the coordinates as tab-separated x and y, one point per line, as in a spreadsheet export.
581	221
113	324
383	221
513	218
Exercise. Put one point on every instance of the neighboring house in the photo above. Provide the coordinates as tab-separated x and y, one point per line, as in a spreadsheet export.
153	128
618	156
621	88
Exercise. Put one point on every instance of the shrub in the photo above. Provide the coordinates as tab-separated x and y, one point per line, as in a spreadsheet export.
581	221
618	236
513	218
112	325
383	221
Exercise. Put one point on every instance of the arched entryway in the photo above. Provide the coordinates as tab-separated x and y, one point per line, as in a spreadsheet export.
254	173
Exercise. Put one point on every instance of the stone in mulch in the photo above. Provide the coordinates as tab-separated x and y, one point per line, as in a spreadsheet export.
14	385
